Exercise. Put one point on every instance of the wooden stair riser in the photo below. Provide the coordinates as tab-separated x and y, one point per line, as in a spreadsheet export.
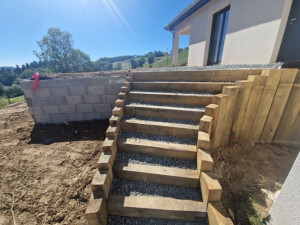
205	162
102	181
191	100
206	124
203	140
96	212
156	207
211	87
163	150
210	187
157	174
188	131
159	112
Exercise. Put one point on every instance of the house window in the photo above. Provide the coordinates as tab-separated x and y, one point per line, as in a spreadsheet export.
217	38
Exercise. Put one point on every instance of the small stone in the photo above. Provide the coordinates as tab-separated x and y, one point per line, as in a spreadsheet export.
231	214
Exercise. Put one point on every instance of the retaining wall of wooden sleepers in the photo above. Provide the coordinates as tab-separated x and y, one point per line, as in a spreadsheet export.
262	108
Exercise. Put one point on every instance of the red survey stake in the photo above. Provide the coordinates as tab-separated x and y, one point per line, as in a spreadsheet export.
36	77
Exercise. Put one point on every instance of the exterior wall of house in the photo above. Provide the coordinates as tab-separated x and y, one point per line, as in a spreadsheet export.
254	34
72	99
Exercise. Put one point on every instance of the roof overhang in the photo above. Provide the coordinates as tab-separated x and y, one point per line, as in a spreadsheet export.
193	7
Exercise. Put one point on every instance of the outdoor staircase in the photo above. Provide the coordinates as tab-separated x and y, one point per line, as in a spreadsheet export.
157	148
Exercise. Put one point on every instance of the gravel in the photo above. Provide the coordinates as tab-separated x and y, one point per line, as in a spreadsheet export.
166	92
218	67
140	118
132	103
141	188
120	220
130	157
149	137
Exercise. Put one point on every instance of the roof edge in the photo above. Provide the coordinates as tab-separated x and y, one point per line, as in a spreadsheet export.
193	7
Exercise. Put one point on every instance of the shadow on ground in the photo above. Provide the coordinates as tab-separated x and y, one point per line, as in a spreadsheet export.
74	131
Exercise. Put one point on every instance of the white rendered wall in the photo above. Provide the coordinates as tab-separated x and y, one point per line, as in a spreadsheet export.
286	209
254	33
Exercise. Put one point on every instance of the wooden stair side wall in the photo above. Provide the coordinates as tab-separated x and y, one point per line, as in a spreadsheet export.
96	212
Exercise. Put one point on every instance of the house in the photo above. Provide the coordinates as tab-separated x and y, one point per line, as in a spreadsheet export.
238	31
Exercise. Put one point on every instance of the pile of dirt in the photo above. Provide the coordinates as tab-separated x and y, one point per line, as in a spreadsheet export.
251	176
48	168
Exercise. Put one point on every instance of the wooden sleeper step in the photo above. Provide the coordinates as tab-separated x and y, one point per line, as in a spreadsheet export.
217	214
156	207
210	187
160	128
96	212
157	148
157	174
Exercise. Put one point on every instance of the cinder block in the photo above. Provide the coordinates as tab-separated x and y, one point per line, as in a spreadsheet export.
106	115
67	108
72	100
80	90
109	98
103	108
91	99
26	84
85	108
60	91
36	110
42	92
95	90
76	117
42	119
50	101
113	89
28	101
92	116
60	118
51	110
28	93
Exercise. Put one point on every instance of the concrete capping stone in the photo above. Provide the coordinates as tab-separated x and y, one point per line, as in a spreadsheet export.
36	110
51	110
85	108
59	118
42	119
90	99
72	100
76	117
80	90
67	109
95	90
59	91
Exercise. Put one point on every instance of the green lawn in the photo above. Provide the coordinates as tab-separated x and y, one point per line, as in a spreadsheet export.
5	102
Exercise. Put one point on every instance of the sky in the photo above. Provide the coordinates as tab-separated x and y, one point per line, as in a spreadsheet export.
100	28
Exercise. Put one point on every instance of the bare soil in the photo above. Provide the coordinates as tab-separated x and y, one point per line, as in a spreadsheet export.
48	168
251	176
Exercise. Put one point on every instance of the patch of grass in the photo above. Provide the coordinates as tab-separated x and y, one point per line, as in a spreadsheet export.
5	102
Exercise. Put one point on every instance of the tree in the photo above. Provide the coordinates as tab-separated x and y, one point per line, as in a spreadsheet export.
118	66
141	61
80	62
1	89
56	50
150	58
158	53
133	64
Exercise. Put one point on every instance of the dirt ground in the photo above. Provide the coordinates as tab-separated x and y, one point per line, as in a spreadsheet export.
48	168
251	176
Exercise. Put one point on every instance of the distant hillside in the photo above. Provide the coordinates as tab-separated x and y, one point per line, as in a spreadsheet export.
7	67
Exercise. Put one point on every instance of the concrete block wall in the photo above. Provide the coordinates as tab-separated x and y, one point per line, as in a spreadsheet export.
72	99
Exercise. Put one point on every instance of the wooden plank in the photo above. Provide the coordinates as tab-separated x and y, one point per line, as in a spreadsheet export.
102	181
157	174
203	141
112	131
205	162
212	111
253	102
273	78
117	111
119	103
217	214
170	98
160	128
291	112
96	213
242	102
205	124
109	145
166	112
210	188
211	87
106	160
283	91
114	120
157	148
156	207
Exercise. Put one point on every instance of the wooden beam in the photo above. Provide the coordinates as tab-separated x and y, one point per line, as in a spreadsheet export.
217	214
210	187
